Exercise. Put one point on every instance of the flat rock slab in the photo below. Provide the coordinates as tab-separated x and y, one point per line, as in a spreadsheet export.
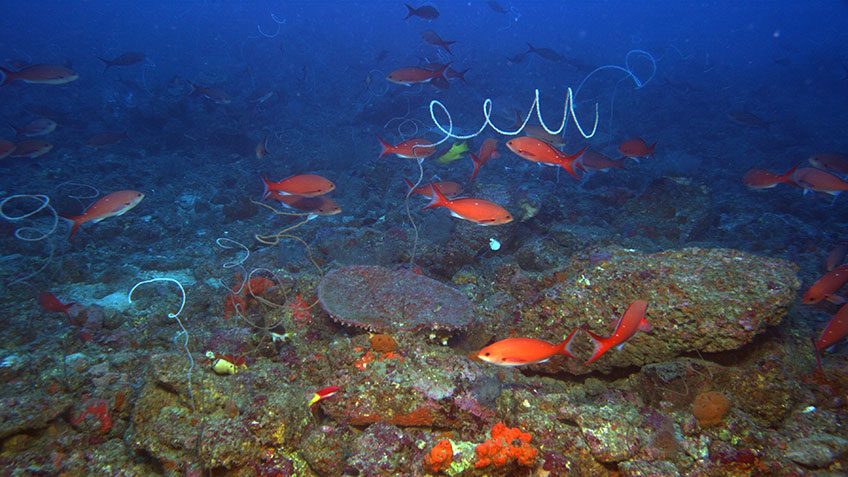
385	300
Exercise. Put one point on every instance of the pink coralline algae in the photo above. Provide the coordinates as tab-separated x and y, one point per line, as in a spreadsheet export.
381	299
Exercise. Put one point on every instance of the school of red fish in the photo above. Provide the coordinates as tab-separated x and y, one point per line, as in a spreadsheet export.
306	194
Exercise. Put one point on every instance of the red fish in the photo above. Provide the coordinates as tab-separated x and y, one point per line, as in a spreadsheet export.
523	351
110	205
837	256
417	148
536	150
31	148
323	394
36	127
38	74
595	161
631	321
262	148
215	95
411	75
49	302
835	161
635	148
319	205
836	329
106	139
757	179
306	185
447	188
479	211
818	180
826	286
6	148
487	151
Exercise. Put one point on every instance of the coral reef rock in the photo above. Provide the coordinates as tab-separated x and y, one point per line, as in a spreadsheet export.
698	300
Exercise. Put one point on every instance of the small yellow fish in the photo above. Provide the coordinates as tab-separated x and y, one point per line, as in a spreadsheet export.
456	151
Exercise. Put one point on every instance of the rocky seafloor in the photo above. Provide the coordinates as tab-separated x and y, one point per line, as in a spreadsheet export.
725	383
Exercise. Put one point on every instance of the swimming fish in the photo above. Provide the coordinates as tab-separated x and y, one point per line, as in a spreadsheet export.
49	302
758	179
432	38
125	59
746	118
262	148
826	286
496	6
479	211
536	150
416	148
35	128
110	205
595	161
6	148
523	351
215	95
455	152
631	321
323	394
447	188
31	148
38	74
306	185
534	130
411	75
834	161
318	205
817	180
635	148
836	329
837	256
426	12
487	151
106	139
546	53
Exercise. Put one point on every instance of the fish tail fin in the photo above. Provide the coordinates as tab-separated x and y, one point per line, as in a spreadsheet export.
476	160
461	75
439	199
74	222
440	73
446	44
568	162
5	76
564	348
786	177
601	347
267	191
651	150
17	131
619	163
408	183
107	62
194	89
387	148
411	12
531	48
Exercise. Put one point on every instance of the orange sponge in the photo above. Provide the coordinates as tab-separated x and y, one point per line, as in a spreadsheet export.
439	458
